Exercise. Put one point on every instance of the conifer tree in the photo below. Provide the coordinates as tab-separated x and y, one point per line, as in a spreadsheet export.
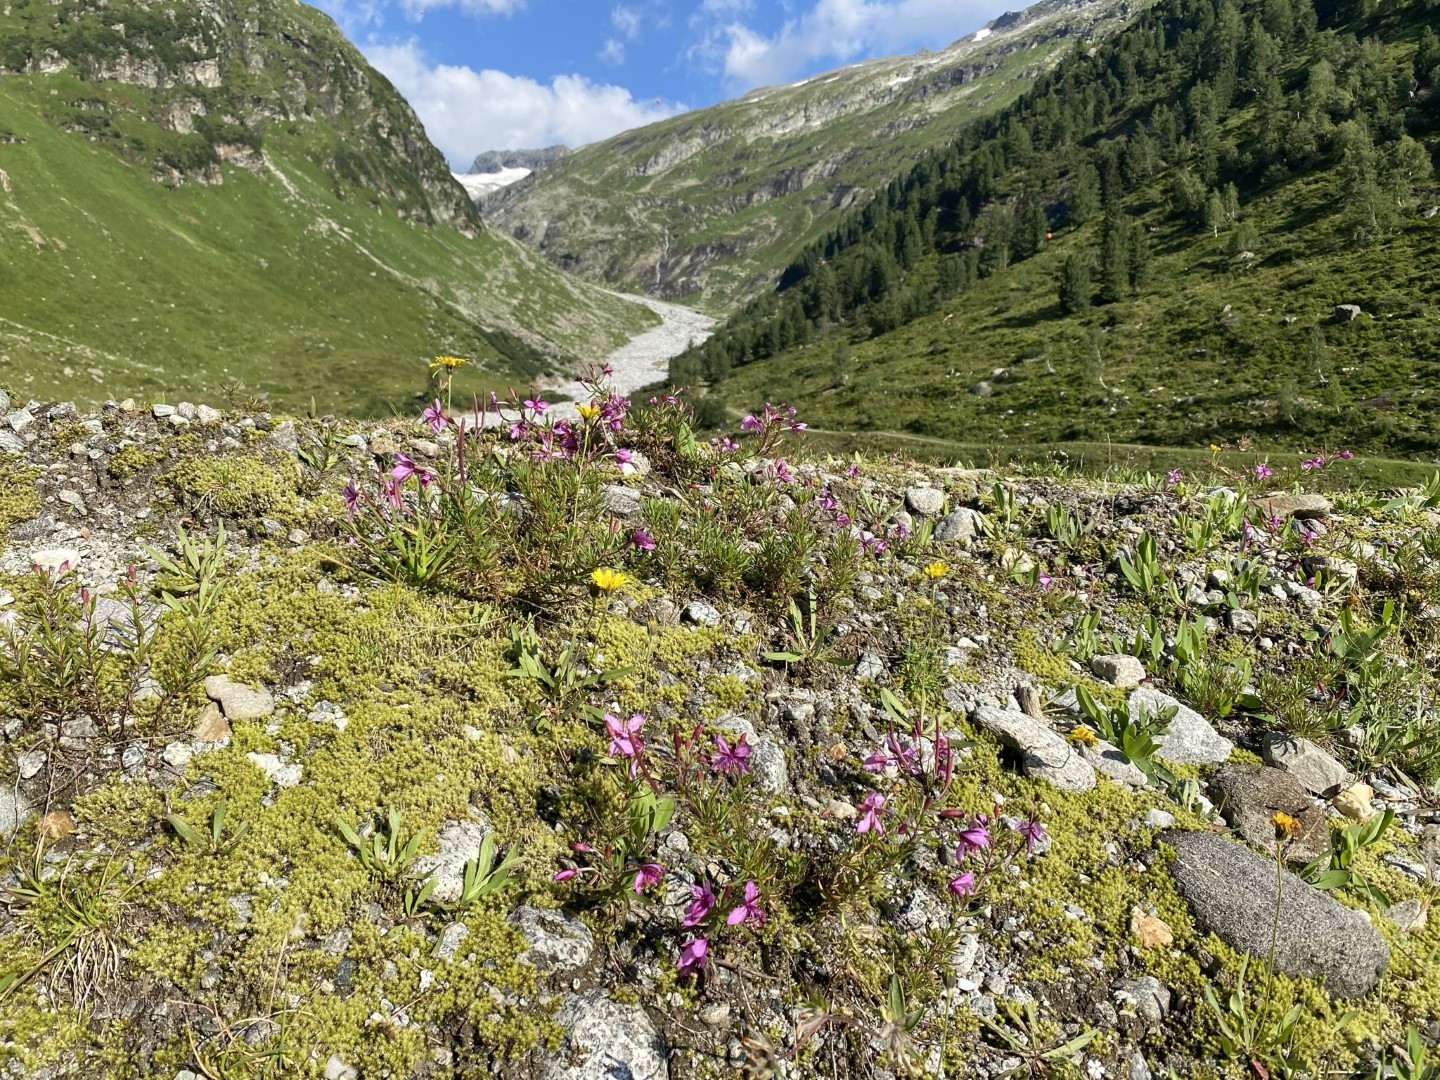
1075	283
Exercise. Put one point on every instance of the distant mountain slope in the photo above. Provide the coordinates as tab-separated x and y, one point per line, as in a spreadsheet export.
225	188
711	205
1223	224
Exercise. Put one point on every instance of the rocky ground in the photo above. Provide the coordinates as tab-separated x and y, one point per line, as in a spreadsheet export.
815	783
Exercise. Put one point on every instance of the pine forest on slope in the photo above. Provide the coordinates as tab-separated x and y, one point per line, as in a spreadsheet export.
1221	224
709	206
196	192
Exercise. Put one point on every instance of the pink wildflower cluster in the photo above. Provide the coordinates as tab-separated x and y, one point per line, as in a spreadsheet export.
1322	459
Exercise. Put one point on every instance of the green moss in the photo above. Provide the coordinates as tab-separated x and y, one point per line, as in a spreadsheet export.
238	486
19	501
134	459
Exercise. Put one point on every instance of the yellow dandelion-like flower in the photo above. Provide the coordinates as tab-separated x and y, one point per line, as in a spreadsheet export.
1082	735
448	363
588	412
607	580
936	570
1214	449
1285	825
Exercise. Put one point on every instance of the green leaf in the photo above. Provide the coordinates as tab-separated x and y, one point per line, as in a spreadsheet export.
187	832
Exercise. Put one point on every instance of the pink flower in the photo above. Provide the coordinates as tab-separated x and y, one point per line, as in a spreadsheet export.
1263	471
692	955
434	415
566	875
853	472
352	498
1044	581
625	741
731	758
750	424
648	874
1346	454
536	405
1174	476
1033	832
749	910
870	809
964	885
973	838
642	540
405	468
623	457
702	899
1311	464
729	445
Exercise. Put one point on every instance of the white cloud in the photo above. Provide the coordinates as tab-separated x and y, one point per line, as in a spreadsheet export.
613	52
833	31
467	111
470	7
626	20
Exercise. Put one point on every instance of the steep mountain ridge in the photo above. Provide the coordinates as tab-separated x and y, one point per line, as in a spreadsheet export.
710	205
312	234
1219	226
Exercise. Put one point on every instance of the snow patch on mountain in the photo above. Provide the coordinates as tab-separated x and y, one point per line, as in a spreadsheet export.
479	185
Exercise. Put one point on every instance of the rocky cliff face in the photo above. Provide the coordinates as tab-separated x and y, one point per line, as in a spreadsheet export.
534	160
712	204
223	78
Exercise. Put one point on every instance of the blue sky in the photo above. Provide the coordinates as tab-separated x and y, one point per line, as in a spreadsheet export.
501	74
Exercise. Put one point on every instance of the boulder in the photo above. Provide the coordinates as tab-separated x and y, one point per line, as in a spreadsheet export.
1313	767
556	941
925	501
962	524
1233	893
457	843
1249	796
1347	312
1118	669
1044	754
605	1038
1303	507
1191	740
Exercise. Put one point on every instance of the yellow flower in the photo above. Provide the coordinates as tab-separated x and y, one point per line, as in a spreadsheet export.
607	580
588	412
1082	735
448	363
936	569
1285	825
1214	449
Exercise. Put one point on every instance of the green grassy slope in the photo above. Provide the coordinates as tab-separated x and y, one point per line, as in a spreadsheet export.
711	205
308	276
1211	346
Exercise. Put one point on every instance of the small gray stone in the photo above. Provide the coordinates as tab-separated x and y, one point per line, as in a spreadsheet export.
1233	893
1118	669
278	771
1318	771
1348	312
620	501
336	1068
457	843
239	702
869	666
701	613
10	443
1136	1069
206	415
962	524
185	410
1297	506
160	412
1108	759
19	420
1044	754
285	438
82	727
15	811
1159	819
925	501
132	760
1241	621
556	941
30	762
1147	995
177	755
1191	740
450	941
605	1039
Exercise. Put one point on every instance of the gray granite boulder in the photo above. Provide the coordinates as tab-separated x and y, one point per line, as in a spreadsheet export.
1232	892
1044	754
1317	770
1191	740
605	1040
1249	796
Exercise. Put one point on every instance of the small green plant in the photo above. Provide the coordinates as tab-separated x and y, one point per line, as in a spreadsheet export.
1215	686
1020	1031
190	590
1345	845
386	852
482	877
75	916
215	842
808	637
1068	531
1143	573
1409	1062
1246	1032
1134	737
564	683
1005	509
319	453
